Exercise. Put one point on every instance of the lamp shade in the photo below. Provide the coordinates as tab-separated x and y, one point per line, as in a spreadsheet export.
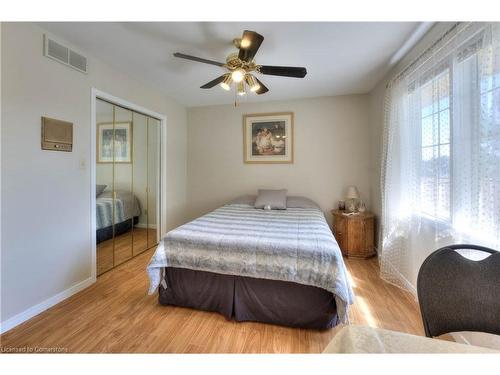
352	192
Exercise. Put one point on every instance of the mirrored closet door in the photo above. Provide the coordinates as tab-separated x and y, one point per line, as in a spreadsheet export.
127	184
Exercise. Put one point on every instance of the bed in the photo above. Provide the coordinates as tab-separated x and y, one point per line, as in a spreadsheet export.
273	266
127	211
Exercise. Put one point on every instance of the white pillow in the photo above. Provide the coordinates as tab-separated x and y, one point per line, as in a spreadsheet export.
276	199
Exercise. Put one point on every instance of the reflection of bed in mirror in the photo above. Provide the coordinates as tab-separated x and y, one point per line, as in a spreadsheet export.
127	211
124	238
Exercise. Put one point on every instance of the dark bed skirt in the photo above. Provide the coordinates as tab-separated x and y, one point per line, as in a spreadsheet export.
250	299
106	233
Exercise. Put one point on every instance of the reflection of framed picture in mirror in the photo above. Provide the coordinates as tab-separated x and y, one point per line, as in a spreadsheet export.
118	139
268	138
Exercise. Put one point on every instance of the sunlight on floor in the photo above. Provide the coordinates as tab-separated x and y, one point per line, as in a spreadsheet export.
362	305
351	280
366	311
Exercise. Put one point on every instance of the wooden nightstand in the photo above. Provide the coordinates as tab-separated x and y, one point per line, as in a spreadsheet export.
354	233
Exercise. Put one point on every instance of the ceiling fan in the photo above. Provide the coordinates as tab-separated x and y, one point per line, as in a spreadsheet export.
241	65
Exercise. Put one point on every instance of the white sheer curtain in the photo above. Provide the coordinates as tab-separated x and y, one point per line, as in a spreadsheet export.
441	167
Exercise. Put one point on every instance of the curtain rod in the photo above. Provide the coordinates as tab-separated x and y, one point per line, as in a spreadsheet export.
419	57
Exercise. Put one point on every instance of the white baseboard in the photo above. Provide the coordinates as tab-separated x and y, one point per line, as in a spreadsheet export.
42	306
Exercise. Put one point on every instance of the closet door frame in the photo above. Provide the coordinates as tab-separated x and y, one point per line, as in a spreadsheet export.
161	191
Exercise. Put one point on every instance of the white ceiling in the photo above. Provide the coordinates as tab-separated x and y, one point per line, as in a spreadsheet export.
340	57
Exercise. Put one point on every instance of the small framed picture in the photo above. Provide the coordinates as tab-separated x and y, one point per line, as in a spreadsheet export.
117	138
268	138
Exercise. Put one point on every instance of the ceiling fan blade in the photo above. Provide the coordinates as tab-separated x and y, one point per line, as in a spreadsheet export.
284	71
213	83
262	89
197	59
250	43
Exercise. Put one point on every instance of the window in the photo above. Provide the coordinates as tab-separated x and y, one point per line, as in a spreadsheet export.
441	171
488	174
476	164
435	161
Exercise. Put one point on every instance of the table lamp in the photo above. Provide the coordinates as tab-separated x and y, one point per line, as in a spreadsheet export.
352	196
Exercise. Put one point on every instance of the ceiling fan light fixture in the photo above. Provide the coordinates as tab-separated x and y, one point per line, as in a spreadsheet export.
241	88
238	75
252	83
226	84
240	67
245	43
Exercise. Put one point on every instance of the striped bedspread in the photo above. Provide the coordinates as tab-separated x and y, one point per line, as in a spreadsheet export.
294	245
104	212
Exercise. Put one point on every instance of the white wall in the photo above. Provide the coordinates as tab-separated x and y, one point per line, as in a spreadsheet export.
46	245
331	152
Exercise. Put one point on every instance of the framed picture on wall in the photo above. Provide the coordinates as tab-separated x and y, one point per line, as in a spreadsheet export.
268	138
121	142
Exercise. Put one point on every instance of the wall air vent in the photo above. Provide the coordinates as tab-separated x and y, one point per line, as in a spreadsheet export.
55	50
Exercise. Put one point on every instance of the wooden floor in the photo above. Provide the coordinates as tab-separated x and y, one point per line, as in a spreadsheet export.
116	315
121	248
